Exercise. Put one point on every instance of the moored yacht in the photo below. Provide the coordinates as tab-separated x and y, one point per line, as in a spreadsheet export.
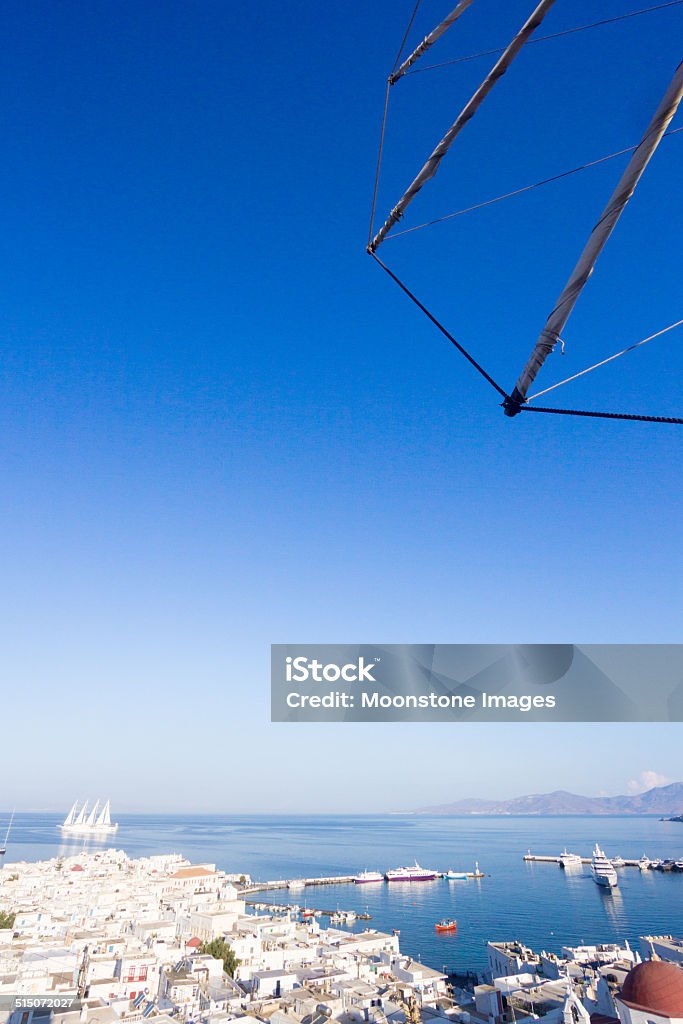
570	860
368	876
413	874
602	870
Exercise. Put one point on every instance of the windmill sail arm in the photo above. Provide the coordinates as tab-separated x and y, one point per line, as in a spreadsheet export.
555	323
429	40
432	165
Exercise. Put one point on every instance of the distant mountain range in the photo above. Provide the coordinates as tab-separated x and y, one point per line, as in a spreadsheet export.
660	800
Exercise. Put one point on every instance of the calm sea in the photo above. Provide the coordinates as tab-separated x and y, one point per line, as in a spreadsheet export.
538	904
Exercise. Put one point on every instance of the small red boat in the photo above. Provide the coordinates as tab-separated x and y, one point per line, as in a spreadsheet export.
449	925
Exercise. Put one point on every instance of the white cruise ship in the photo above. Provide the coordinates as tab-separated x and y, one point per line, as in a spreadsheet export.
368	876
602	869
84	823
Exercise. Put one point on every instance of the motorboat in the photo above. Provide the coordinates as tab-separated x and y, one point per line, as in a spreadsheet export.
368	876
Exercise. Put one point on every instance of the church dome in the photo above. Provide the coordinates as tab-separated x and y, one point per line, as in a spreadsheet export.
655	986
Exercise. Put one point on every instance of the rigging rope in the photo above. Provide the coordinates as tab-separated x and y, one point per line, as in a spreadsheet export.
437	323
379	163
525	188
384	118
604	415
511	403
407	33
506	398
603	362
543	39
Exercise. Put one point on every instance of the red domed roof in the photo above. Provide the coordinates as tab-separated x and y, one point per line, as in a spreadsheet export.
655	986
77	867
194	942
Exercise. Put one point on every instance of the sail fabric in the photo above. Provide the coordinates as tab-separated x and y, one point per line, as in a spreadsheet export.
104	818
84	821
69	820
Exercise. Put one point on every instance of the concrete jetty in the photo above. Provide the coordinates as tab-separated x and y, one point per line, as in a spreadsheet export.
296	883
543	859
300	883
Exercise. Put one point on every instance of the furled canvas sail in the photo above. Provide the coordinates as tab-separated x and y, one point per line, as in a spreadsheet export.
551	333
432	165
429	40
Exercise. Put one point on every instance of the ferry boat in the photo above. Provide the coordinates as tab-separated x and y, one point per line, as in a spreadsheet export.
413	874
445	925
368	876
570	860
602	869
82	823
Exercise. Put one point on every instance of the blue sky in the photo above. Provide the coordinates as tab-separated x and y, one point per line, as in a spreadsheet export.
224	427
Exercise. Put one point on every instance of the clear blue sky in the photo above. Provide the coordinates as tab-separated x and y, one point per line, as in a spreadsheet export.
223	426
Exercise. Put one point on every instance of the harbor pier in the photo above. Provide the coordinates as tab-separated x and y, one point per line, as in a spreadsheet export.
302	883
623	862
